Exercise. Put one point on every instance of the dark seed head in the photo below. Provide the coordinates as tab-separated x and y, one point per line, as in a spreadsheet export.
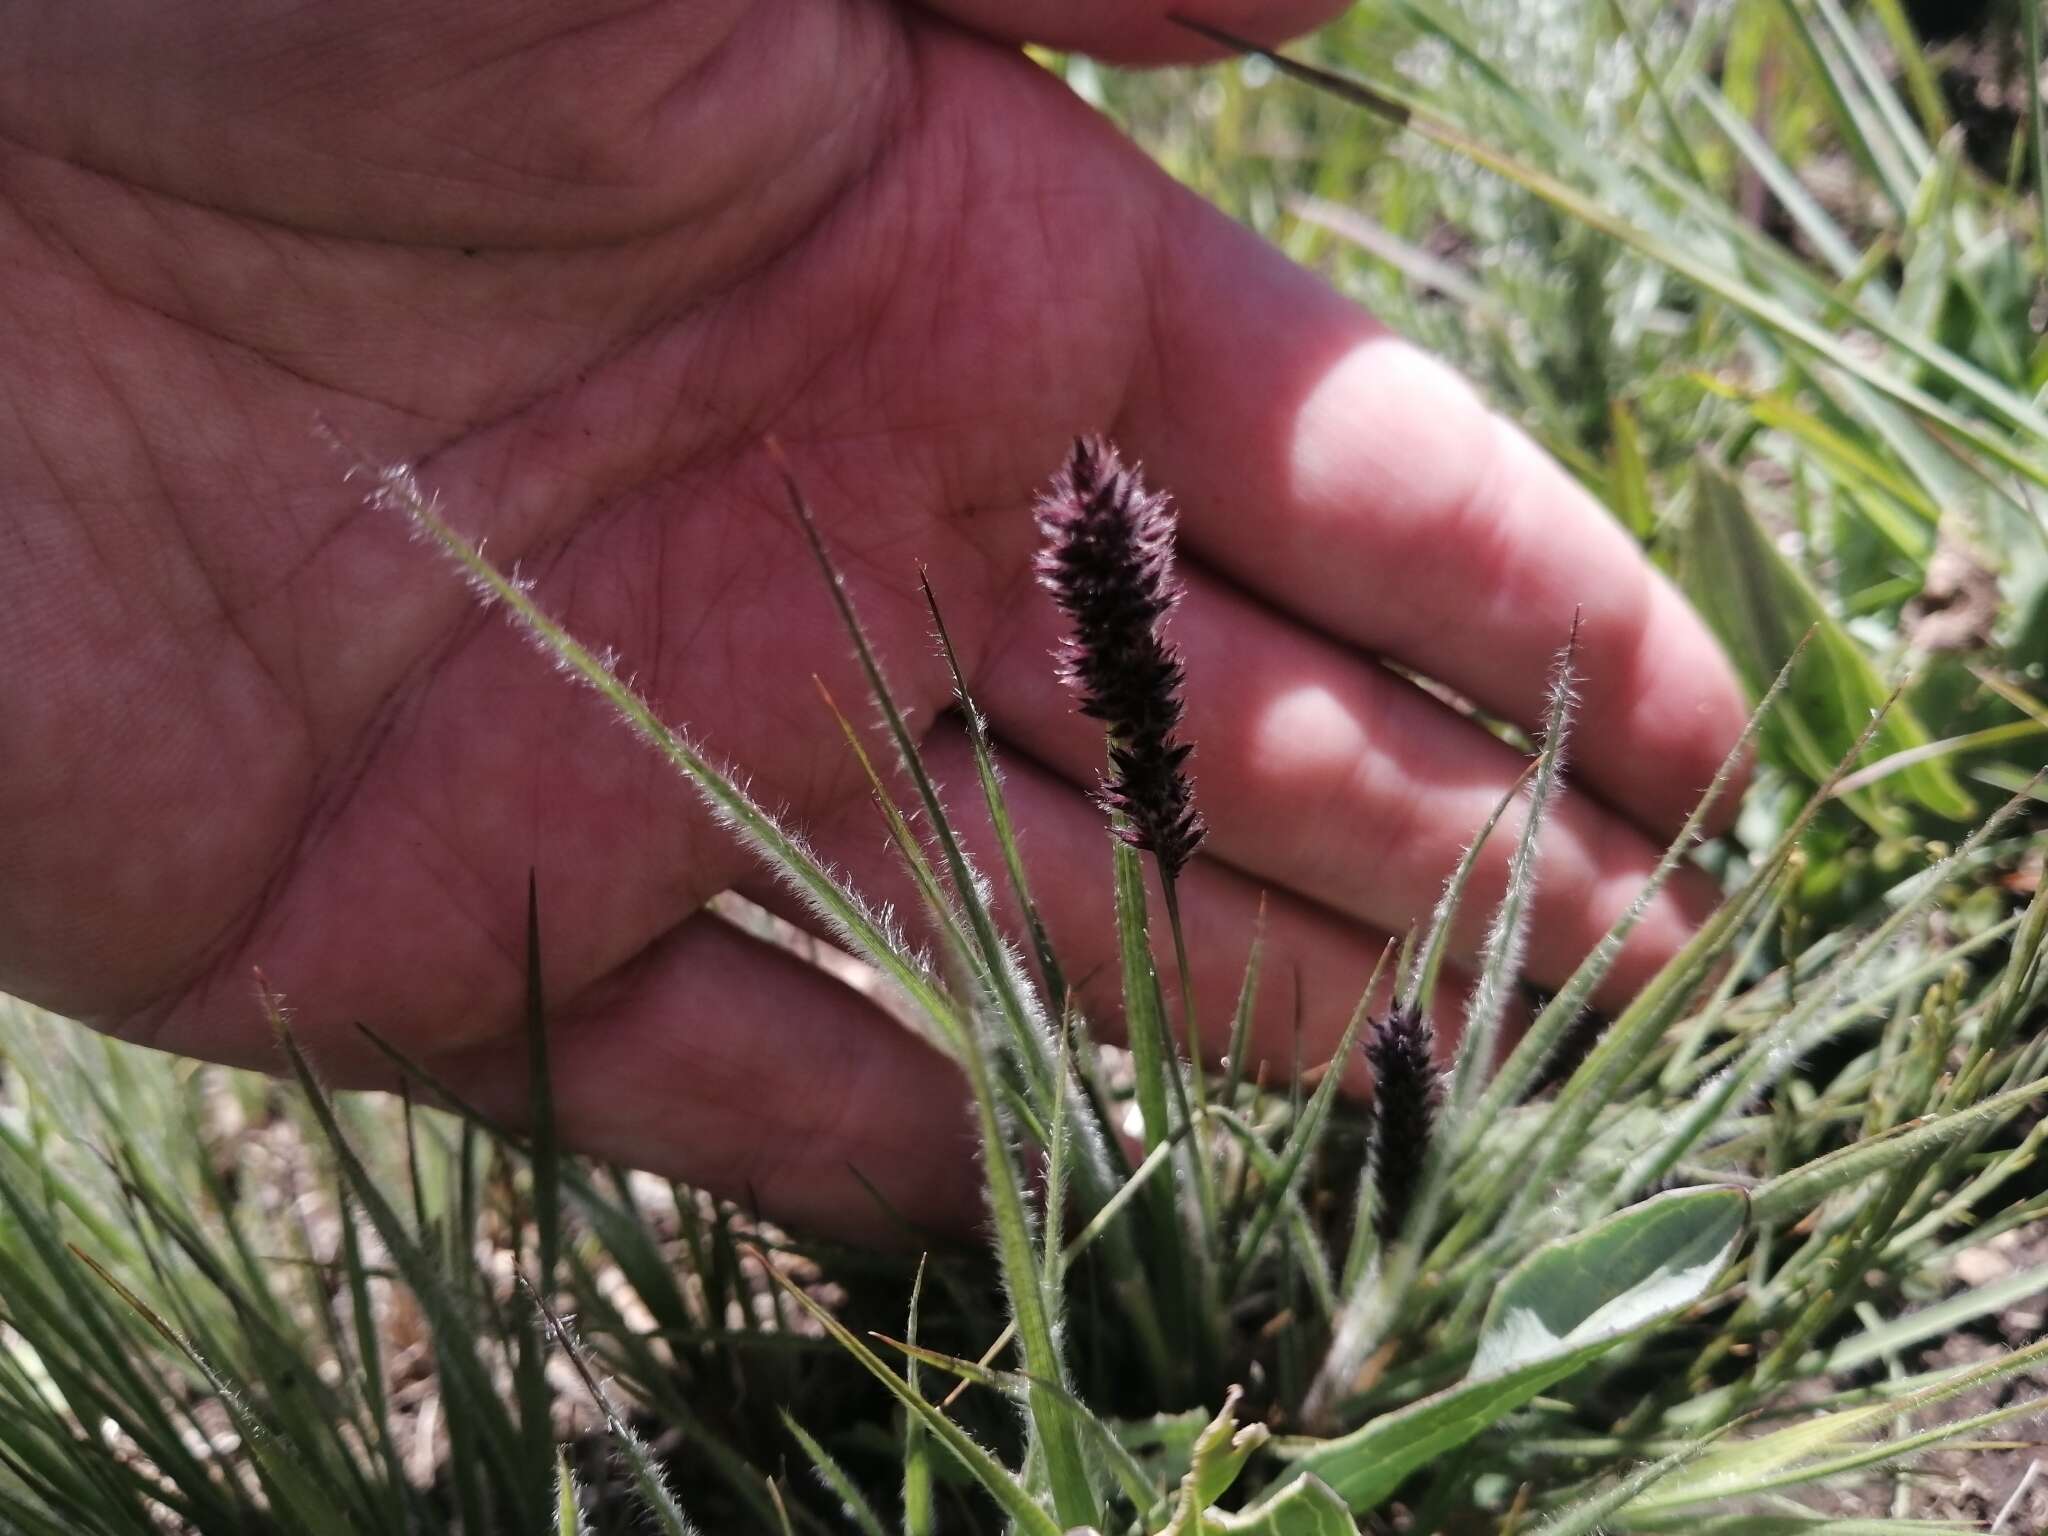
1401	1049
1108	562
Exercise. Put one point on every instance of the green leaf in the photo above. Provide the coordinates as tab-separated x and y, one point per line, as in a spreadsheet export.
298	1493
1588	1517
1800	1189
992	1475
835	1477
1937	1321
568	1516
1308	1130
1649	1261
1628	476
1822	1525
1826	1446
1307	1506
1507	937
1144	1014
639	1458
1143	1490
1221	1451
919	1517
868	933
463	1375
529	1373
1759	607
1005	984
1568	1303
976	726
1546	1033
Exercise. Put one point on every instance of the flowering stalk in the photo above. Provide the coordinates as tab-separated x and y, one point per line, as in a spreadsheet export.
1407	1091
1108	562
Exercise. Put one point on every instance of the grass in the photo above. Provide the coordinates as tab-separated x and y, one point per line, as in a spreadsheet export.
1760	297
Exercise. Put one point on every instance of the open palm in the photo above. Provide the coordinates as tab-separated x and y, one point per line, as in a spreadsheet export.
573	260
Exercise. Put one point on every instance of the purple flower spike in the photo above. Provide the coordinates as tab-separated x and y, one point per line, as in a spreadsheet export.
1407	1090
1108	562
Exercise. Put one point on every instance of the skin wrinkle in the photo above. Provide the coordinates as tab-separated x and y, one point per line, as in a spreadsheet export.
621	348
106	287
582	174
329	796
355	515
689	455
236	68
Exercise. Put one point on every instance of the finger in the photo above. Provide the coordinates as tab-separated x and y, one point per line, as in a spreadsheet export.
1138	31
1315	964
735	1067
1349	478
1329	776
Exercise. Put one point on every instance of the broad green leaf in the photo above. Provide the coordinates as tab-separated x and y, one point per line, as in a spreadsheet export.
1760	607
1641	1264
1568	1303
1307	1506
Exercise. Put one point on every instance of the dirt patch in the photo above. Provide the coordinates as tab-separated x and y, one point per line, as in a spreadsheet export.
1999	1480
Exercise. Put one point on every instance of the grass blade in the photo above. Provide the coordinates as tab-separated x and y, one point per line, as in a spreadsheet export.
994	1478
868	934
834	1477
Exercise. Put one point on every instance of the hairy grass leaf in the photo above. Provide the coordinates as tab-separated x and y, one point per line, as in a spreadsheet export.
994	1478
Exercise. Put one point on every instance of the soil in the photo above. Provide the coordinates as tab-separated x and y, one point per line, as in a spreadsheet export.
2000	1482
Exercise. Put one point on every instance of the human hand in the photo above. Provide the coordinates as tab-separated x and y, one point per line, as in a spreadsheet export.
573	260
